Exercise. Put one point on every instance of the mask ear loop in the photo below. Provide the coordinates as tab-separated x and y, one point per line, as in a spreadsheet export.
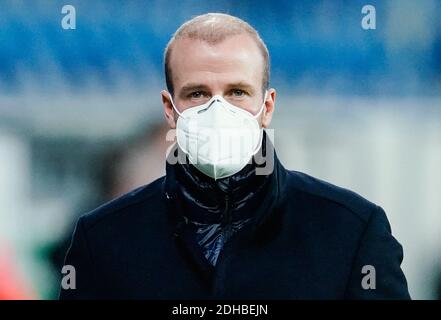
173	104
261	131
263	105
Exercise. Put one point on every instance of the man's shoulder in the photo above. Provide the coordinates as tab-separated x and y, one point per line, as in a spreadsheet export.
328	192
147	194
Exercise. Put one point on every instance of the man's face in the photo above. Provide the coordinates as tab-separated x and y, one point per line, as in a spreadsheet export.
232	69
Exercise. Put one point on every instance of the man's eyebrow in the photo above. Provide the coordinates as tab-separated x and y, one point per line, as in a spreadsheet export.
192	87
241	85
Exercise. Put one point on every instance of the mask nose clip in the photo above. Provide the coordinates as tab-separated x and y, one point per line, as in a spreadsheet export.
208	107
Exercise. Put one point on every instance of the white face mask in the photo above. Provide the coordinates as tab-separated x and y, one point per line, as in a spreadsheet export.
218	137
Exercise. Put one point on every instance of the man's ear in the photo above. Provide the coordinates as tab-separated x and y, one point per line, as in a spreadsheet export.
268	109
169	112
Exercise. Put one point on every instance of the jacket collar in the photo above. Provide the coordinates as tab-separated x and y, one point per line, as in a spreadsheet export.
206	191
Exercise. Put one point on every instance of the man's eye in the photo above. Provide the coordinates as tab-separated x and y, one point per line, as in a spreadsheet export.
196	95
238	92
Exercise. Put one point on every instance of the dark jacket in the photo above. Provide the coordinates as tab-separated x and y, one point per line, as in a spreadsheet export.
303	239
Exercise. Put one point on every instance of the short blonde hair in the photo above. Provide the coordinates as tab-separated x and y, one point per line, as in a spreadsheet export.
214	28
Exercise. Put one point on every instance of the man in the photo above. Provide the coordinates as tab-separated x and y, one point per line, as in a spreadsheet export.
228	220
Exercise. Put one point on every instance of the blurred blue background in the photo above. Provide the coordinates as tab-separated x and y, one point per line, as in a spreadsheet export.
81	119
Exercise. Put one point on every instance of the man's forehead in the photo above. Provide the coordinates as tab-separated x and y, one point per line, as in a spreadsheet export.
230	46
234	60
